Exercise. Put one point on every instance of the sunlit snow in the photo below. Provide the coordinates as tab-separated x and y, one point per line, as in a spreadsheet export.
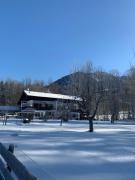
70	152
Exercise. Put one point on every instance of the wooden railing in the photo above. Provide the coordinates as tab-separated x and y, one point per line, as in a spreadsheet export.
9	165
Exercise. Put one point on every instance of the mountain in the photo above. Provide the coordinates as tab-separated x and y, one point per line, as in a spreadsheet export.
64	81
60	85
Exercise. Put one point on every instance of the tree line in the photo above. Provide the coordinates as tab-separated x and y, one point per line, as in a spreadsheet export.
102	93
11	90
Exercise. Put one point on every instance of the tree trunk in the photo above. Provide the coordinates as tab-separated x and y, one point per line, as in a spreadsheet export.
91	129
112	119
61	122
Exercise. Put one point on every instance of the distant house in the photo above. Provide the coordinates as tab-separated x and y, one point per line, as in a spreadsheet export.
48	105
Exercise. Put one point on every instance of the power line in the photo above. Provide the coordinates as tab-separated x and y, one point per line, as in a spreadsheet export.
39	166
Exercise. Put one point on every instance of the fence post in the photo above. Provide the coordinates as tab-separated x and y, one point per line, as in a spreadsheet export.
10	149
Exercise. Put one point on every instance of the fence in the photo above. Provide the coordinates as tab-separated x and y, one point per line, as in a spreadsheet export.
9	163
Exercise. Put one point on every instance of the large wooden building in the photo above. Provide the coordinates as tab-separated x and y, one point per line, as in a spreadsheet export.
49	105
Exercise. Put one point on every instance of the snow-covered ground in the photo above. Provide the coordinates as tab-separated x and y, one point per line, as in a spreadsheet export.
69	152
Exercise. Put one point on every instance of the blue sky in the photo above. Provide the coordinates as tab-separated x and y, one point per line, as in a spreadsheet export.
45	39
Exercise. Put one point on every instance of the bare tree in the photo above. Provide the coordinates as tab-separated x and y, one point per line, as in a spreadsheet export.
63	111
87	84
129	87
114	96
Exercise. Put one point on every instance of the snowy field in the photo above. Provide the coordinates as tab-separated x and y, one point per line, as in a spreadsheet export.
52	152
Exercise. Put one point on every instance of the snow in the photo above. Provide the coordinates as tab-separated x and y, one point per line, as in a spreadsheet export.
50	95
70	152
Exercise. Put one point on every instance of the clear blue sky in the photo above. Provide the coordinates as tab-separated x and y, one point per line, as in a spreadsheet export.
44	39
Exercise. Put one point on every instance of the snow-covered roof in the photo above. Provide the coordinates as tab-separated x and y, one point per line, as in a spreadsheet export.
50	95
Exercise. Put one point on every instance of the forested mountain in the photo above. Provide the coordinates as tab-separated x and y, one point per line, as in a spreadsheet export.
61	85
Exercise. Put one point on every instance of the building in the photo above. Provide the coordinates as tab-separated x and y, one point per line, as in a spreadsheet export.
49	105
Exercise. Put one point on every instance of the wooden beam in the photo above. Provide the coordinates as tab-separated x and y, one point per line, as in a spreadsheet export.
4	173
17	167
